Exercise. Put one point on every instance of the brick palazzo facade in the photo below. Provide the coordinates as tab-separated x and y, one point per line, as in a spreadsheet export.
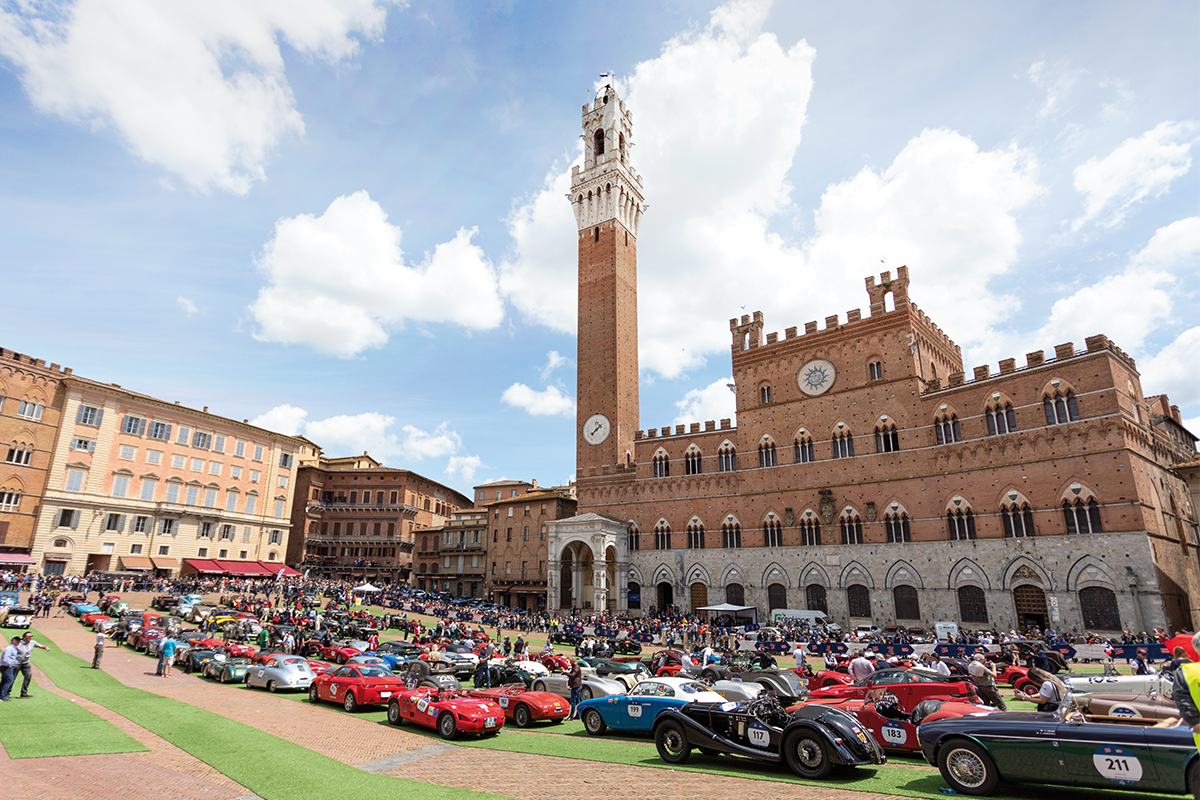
355	518
867	476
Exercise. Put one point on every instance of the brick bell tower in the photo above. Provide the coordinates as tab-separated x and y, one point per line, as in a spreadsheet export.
606	195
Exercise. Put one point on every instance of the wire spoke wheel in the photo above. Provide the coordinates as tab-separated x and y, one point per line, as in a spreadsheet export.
966	767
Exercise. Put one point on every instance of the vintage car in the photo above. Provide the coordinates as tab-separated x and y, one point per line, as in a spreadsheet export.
19	617
196	658
636	711
501	673
238	649
87	618
593	686
226	669
789	686
901	682
894	723
1152	705
355	685
319	667
810	742
105	624
1065	747
340	651
463	650
280	672
627	647
821	678
81	607
199	612
456	663
139	640
560	637
402	649
629	673
523	707
449	713
163	602
438	676
555	662
261	656
1118	684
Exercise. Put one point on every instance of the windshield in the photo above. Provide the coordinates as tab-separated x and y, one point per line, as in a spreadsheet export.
692	687
295	661
369	671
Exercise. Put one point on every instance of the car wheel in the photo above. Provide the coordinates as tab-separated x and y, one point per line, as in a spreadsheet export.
341	658
807	755
394	717
273	688
708	751
538	686
313	696
672	743
594	723
350	704
222	679
447	727
188	668
829	683
585	693
967	768
521	716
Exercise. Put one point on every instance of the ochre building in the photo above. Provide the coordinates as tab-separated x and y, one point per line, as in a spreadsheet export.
869	475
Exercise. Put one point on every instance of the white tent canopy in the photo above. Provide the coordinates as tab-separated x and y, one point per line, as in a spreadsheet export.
730	608
366	587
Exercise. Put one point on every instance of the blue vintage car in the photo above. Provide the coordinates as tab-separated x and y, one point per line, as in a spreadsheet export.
1064	747
82	607
636	711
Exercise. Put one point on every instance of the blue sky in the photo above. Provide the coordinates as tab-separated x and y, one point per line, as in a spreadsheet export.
347	219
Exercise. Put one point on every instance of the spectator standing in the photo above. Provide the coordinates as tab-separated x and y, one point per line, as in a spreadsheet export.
1186	692
575	684
1141	663
984	676
24	651
98	650
166	654
8	668
798	654
938	665
861	666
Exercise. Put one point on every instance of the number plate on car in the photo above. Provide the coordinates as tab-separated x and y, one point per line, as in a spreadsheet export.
385	694
490	722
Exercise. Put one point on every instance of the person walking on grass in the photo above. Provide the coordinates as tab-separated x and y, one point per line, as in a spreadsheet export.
24	651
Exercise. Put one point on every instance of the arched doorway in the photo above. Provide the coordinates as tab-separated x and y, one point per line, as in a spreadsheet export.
1030	602
699	595
815	599
776	596
666	595
566	587
635	595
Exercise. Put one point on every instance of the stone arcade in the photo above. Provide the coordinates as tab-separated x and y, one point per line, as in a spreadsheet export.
867	476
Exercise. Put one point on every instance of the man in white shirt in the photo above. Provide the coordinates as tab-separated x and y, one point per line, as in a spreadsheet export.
861	667
798	654
939	665
706	654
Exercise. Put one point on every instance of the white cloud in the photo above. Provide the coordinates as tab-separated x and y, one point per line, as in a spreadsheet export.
713	402
371	432
554	360
718	116
285	419
1056	82
1192	425
551	401
197	89
463	466
189	308
339	282
1172	371
1138	168
1129	306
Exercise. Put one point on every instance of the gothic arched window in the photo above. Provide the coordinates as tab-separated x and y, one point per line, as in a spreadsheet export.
961	524
695	533
766	454
772	533
662	535
1018	520
662	465
804	449
858	600
691	462
947	429
897	528
843	445
1082	517
851	528
1060	408
886	439
1001	419
599	138
810	532
726	458
731	534
972	604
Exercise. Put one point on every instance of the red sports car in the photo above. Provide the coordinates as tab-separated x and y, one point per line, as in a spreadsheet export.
92	616
318	667
240	650
553	661
339	652
261	656
903	683
355	685
894	723
521	707
450	713
819	679
139	638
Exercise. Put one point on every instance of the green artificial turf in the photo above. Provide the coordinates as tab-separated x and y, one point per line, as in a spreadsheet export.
270	767
46	724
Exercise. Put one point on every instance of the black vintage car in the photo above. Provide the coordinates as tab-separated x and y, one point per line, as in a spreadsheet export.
786	684
811	742
418	673
559	637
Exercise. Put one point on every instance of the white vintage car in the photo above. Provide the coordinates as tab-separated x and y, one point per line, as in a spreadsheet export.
593	685
1160	682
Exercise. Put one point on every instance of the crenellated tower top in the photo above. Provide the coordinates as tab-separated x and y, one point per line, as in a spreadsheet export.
607	187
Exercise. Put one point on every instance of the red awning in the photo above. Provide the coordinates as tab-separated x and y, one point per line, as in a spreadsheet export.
244	569
16	559
279	569
203	566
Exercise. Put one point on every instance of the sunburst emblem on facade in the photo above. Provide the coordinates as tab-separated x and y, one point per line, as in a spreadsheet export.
816	376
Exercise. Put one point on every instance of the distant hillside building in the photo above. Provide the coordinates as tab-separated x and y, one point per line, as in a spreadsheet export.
868	476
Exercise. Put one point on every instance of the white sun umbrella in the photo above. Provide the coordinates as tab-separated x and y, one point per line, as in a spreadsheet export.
366	587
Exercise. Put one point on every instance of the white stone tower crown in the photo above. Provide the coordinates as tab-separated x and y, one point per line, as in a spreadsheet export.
607	187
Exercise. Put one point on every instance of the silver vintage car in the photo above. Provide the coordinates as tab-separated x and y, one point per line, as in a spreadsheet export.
281	672
593	685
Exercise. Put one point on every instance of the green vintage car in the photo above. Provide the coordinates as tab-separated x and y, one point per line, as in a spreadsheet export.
224	669
1066	747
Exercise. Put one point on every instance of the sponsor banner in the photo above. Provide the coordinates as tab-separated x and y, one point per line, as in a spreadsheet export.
1156	652
959	650
889	650
821	648
642	637
772	647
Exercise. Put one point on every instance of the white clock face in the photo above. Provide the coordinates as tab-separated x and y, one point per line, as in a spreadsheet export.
596	429
816	377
